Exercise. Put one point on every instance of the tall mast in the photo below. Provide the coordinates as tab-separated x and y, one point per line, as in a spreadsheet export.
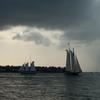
68	45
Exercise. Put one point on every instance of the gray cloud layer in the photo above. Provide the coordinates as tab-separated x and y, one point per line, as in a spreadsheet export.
43	13
36	37
81	17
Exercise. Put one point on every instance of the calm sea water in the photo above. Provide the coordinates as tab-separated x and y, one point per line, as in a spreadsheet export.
52	86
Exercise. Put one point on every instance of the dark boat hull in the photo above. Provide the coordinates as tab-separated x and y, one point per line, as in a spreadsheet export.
28	72
72	73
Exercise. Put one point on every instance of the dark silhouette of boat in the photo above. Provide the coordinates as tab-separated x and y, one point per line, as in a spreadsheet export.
28	69
72	64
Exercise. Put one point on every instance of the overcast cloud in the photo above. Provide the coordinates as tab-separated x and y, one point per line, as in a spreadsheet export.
78	18
36	37
44	13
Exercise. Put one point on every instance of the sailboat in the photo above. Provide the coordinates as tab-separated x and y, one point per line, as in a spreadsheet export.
26	69
72	64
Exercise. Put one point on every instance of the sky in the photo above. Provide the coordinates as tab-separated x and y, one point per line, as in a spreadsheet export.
40	30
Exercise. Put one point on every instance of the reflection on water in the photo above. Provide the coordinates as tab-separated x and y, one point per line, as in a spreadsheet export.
52	86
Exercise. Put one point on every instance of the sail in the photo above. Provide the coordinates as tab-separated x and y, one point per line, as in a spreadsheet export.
78	68
68	68
28	69
72	64
76	65
73	61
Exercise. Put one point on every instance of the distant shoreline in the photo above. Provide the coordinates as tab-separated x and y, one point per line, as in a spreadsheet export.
40	69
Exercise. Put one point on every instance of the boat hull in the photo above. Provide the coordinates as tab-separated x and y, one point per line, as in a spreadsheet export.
72	73
28	72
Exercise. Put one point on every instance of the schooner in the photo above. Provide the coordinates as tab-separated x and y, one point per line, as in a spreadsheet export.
72	64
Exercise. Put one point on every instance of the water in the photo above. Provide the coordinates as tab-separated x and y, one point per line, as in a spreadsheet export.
51	86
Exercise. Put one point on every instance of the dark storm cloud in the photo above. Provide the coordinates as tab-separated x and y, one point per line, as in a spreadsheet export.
87	31
84	33
36	37
79	16
43	13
